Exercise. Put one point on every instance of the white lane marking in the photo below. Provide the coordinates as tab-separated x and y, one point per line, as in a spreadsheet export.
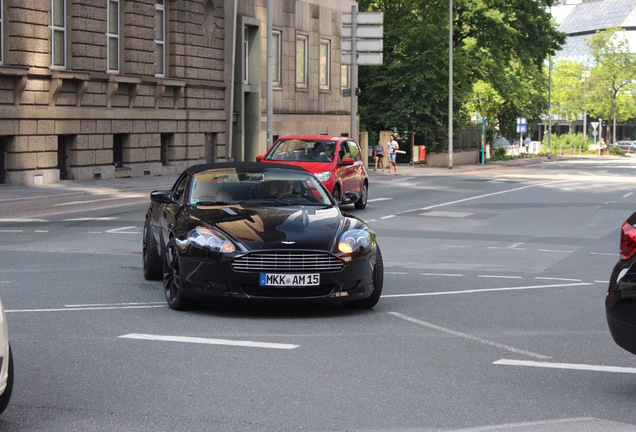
11	231
208	341
378	199
122	230
499	277
90	219
395	273
115	304
601	282
512	247
436	293
587	173
467	336
442	274
532	425
558	279
605	254
41	231
447	214
99	200
555	251
387	217
486	195
627	194
570	366
23	220
89	308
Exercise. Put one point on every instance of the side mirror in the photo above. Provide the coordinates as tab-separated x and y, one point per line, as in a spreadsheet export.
346	161
162	197
259	158
350	198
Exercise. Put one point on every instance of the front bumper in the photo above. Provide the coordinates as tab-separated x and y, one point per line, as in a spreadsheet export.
204	279
620	305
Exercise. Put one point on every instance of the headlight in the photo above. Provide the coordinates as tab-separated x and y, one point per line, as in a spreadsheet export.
211	239
355	240
324	176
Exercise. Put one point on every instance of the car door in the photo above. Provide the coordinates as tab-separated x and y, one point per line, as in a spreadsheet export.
170	211
357	172
345	172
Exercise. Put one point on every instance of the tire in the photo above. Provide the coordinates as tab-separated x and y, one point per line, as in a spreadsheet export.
172	278
6	395
337	196
378	281
362	202
151	260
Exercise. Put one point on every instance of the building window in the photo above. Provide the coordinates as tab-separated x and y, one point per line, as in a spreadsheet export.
344	77
325	63
160	38
167	140
113	35
3	158
58	33
301	60
0	35
246	55
277	35
118	150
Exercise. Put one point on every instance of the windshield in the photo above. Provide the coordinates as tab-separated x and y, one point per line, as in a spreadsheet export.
303	150
272	187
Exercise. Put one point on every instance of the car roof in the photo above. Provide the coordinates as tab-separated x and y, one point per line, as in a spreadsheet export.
315	137
245	166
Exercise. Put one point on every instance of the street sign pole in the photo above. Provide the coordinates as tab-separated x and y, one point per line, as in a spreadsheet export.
354	69
483	140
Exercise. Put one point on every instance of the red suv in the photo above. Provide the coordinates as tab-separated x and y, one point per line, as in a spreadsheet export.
336	161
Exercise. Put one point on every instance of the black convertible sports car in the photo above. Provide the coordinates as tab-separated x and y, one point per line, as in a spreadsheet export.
258	231
620	303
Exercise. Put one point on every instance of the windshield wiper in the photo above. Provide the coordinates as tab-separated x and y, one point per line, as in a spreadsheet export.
268	201
211	203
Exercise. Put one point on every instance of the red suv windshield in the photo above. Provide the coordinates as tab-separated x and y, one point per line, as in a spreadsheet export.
302	151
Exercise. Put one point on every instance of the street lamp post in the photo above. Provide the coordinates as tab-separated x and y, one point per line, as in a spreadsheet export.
584	77
450	88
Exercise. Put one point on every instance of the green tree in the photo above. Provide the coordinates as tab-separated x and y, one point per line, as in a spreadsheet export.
612	84
499	45
567	90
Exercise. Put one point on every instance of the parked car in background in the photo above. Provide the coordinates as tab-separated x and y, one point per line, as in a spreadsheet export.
620	302
336	161
6	362
625	145
258	231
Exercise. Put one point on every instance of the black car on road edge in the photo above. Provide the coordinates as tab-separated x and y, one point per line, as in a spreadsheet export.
620	302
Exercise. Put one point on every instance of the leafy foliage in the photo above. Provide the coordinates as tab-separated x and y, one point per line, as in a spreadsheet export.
498	52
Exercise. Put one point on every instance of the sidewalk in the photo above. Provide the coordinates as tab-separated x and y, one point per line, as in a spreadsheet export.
67	188
407	170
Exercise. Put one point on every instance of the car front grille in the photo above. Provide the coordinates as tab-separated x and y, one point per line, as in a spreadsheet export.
293	261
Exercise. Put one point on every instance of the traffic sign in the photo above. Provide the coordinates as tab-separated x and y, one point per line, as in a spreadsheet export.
594	125
368	43
522	124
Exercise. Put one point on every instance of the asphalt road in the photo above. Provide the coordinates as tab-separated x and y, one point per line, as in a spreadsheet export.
492	316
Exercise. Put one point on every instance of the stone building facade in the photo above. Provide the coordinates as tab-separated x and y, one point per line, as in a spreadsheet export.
95	89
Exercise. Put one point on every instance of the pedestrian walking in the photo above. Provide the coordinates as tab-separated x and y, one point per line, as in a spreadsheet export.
601	146
379	156
392	145
527	144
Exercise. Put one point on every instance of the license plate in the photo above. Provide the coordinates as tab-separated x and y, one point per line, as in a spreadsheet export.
279	279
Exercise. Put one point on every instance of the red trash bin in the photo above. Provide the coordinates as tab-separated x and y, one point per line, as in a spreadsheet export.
422	153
